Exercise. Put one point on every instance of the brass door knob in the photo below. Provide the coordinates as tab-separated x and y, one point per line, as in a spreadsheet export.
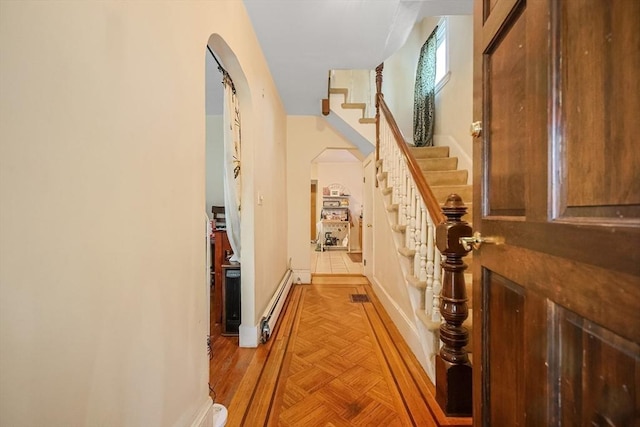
474	242
476	129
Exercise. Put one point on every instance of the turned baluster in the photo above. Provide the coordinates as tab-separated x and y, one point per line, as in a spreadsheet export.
453	369
422	274
378	96
437	286
406	214
402	205
430	251
411	215
417	240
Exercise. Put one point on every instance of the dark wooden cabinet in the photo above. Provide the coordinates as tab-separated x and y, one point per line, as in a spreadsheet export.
220	252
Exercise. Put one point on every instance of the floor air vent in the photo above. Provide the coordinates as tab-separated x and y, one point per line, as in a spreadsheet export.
359	298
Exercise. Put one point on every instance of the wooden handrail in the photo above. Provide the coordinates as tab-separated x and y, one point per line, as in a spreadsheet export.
412	165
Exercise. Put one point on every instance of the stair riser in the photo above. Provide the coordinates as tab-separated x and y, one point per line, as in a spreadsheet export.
443	164
429	152
455	177
464	191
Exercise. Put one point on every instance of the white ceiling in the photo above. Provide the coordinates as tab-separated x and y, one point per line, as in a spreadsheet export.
303	39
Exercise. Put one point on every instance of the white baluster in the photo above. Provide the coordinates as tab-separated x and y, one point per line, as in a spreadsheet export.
402	205
424	214
417	235
396	182
411	216
437	286
429	252
397	177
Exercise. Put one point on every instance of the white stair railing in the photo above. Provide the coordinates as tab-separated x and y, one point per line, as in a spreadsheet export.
413	214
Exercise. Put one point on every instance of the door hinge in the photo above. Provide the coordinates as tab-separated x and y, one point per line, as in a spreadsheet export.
364	262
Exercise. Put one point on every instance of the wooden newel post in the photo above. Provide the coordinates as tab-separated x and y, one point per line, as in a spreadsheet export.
453	369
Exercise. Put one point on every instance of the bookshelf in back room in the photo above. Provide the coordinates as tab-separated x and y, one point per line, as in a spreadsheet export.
335	230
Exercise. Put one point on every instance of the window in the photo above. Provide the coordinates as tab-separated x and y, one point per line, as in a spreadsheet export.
442	55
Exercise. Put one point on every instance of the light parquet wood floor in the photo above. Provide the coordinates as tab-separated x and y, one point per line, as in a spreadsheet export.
333	362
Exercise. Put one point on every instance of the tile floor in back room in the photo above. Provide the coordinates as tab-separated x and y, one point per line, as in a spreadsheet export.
333	261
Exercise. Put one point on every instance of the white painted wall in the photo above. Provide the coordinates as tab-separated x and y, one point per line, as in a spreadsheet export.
307	137
386	268
103	281
386	276
454	102
214	166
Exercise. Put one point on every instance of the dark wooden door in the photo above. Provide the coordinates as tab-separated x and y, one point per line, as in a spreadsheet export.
557	176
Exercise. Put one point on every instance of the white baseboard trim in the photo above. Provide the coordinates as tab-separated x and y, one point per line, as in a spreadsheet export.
249	336
303	275
204	416
404	324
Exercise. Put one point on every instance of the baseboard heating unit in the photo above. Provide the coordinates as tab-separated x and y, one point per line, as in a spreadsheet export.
274	308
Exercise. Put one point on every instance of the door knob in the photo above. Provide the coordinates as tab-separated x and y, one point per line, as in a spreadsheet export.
476	240
476	129
369	225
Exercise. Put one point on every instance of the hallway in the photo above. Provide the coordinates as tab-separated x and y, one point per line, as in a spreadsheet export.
335	362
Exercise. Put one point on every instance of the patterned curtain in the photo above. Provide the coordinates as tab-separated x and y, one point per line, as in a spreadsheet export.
232	177
424	98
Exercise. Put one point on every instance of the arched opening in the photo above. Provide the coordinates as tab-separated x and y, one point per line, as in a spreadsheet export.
222	322
337	175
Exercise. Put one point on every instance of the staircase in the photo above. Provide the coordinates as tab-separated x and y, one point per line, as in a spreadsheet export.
414	182
444	178
349	119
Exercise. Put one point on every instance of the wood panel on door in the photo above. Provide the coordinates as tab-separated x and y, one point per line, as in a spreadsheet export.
557	176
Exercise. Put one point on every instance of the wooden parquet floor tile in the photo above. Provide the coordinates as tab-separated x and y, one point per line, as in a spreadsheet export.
332	362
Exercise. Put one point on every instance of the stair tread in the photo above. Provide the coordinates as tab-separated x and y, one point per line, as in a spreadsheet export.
367	120
399	228
339	90
407	252
426	320
453	186
354	105
416	282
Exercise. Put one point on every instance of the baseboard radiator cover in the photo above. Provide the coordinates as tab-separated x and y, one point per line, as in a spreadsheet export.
271	314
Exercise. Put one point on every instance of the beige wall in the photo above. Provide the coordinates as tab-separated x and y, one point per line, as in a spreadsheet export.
454	102
103	282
